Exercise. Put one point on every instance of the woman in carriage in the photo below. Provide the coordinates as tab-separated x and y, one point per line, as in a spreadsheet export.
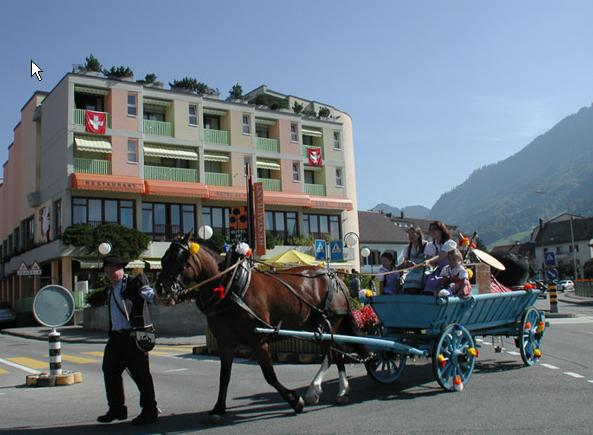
414	255
436	252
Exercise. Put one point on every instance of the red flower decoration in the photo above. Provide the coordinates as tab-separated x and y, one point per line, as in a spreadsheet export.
219	291
365	318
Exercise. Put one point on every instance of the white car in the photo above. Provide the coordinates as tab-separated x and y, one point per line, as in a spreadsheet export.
565	284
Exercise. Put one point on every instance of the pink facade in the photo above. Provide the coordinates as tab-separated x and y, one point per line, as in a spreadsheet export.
286	145
117	104
287	184
119	158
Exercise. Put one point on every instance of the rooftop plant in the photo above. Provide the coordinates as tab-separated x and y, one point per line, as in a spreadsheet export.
236	92
297	107
324	112
150	79
119	72
192	84
92	64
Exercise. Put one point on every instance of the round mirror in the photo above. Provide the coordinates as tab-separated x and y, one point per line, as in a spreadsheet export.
104	248
205	232
53	306
365	252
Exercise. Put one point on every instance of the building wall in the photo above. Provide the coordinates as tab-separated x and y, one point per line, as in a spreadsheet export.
234	120
585	253
117	105
119	158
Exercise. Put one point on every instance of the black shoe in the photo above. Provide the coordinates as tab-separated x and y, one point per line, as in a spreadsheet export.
113	414
146	417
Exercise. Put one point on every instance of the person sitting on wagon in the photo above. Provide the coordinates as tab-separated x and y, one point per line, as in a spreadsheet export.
414	255
455	279
436	252
388	280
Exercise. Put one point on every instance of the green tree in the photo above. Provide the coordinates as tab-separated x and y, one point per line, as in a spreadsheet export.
236	92
119	72
192	84
324	112
92	64
297	107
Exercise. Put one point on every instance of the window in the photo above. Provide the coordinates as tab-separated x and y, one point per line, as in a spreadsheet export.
193	114
246	124
164	222
132	110
339	181
322	226
94	211
296	172
309	177
337	144
294	132
281	224
212	122
264	173
58	217
132	151
217	218
29	231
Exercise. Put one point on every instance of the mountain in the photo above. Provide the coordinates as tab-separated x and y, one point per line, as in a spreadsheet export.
500	199
412	211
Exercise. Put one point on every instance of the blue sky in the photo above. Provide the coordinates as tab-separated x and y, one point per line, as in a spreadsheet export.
436	89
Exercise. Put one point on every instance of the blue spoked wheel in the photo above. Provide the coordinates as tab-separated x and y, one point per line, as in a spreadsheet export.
386	366
452	359
530	336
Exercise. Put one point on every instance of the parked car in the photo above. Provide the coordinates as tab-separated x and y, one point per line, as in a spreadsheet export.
565	284
7	316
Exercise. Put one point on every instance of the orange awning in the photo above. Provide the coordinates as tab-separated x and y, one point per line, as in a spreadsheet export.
227	193
286	198
331	203
109	183
175	188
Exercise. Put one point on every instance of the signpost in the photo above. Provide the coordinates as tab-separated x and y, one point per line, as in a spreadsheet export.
552	274
336	250
550	259
320	250
35	269
23	270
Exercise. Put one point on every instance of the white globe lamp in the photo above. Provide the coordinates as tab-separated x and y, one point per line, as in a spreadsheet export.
104	248
351	239
365	252
205	232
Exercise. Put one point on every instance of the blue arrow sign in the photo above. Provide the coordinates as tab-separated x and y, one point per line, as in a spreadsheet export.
320	250
336	250
550	259
552	274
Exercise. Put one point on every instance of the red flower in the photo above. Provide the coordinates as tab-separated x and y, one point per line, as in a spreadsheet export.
365	318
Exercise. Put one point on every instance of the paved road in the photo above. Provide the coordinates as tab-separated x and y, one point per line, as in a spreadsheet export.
552	397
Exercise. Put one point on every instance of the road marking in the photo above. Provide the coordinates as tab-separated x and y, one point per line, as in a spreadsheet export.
175	370
549	366
573	375
590	380
78	359
94	353
161	353
479	340
30	362
512	352
2	371
18	366
486	343
188	349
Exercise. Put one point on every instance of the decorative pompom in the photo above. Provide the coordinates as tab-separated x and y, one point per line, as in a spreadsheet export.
194	248
537	353
470	273
457	383
472	351
219	291
541	326
242	248
527	325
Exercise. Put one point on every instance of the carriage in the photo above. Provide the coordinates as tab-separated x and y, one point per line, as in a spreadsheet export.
444	329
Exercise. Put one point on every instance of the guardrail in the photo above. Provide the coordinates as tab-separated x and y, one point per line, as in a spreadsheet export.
266	144
170	174
157	128
92	166
584	287
216	137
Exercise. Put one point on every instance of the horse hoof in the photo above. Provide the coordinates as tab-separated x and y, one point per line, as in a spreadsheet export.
313	399
214	418
343	400
298	407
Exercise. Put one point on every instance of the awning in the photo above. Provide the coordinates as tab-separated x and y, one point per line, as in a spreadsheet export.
287	198
92	144
169	152
264	164
216	158
314	133
179	189
154	264
92	91
269	122
227	193
136	264
156	103
107	183
214	112
324	202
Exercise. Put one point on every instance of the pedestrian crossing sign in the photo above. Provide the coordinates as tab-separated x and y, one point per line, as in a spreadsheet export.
320	249
336	248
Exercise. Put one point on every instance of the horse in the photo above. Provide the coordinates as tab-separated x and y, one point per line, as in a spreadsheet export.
303	298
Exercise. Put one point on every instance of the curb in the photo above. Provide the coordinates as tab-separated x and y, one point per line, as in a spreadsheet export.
560	315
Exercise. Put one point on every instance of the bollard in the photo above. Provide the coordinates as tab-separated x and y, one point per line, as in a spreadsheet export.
55	353
553	298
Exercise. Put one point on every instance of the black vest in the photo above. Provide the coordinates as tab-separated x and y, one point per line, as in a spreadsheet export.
136	307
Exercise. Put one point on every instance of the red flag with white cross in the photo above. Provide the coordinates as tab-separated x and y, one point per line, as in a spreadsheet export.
95	122
314	156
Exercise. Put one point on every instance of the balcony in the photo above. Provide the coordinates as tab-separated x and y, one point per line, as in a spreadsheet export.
314	189
217	179
216	137
171	174
271	184
92	166
265	144
79	117
305	147
157	128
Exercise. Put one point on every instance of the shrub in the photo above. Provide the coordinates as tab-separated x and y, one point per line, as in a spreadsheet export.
92	64
119	72
297	107
236	92
310	111
588	269
193	85
150	79
324	112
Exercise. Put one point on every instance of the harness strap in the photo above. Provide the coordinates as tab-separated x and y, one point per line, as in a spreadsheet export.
190	291
241	303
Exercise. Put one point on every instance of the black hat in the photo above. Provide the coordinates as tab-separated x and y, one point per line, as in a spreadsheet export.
114	259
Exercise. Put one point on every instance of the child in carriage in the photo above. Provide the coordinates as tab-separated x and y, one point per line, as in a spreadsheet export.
454	277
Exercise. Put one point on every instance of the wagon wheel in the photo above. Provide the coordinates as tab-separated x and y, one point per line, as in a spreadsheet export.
386	366
454	356
530	336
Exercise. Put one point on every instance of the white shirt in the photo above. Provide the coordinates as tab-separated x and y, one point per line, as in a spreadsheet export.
433	249
454	272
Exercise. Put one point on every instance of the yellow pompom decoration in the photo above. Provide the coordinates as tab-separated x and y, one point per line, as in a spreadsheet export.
537	353
194	248
472	351
368	294
470	273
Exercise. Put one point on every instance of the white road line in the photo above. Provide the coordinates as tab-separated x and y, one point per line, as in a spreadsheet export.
479	340
573	375
487	343
512	352
175	370
20	367
590	380
549	366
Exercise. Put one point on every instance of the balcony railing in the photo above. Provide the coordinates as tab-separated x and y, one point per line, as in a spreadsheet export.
217	179
216	137
92	166
265	144
305	147
79	117
271	184
171	174
157	128
314	189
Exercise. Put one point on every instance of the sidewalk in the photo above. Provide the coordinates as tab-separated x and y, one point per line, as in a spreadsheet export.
572	298
75	334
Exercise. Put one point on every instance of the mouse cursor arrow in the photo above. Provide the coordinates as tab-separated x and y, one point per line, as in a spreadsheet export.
36	71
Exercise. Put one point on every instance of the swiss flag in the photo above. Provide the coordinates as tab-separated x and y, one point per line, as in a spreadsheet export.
95	122
314	156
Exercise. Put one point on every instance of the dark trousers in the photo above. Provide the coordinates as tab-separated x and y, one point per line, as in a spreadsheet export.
120	353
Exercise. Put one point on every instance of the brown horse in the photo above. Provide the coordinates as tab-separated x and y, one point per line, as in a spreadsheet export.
293	298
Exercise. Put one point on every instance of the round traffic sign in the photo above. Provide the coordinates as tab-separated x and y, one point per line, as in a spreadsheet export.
53	306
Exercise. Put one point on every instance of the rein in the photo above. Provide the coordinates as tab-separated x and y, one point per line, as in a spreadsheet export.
190	291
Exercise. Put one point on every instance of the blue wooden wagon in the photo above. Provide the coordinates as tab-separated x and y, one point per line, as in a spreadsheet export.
444	330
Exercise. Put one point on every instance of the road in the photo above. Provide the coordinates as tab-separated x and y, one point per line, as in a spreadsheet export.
552	397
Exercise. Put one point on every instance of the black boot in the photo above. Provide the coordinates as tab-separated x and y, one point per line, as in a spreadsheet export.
147	416
113	414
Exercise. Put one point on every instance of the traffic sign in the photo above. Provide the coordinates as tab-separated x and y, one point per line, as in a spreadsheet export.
35	269
336	250
23	270
320	249
550	259
552	274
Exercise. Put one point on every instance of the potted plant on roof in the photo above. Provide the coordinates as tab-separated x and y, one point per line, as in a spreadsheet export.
119	73
324	112
92	66
151	81
236	94
192	86
297	107
310	112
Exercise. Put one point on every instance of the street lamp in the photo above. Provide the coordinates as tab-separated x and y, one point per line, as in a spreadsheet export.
573	247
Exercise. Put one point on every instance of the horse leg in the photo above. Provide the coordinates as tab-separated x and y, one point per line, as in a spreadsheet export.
344	391
265	362
315	390
227	354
